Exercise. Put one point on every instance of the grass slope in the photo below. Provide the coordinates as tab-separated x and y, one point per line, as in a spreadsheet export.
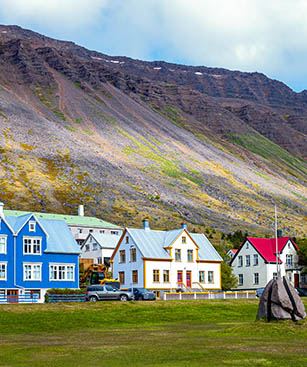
186	333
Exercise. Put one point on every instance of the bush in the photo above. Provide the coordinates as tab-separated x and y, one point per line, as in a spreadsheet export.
65	291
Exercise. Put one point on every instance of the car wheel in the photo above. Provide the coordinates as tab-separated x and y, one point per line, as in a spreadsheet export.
93	299
123	297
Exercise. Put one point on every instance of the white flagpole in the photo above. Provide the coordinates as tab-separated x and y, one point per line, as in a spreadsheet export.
277	254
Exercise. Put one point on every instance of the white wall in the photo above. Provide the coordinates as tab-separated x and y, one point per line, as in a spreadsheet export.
95	254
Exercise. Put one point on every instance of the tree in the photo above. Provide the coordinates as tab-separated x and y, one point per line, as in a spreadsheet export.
229	281
302	245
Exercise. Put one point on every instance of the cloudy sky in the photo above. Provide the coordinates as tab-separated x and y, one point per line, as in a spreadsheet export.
267	36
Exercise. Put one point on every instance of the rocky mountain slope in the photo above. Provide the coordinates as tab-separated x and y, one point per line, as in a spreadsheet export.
131	139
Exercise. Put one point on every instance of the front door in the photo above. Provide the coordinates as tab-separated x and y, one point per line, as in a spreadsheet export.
189	278
179	276
12	296
296	280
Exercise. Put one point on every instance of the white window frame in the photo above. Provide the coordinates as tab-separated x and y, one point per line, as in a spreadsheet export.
256	278
5	244
240	261
32	226
66	265
240	279
32	271
247	260
5	264
31	238
256	263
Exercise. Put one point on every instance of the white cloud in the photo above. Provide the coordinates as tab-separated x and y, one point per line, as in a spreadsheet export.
67	15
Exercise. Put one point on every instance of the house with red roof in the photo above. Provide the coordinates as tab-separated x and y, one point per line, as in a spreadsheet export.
254	264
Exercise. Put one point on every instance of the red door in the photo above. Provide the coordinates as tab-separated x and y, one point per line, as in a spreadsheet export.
12	296
296	280
189	278
179	276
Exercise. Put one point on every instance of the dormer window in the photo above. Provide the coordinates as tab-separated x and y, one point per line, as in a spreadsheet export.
184	239
32	226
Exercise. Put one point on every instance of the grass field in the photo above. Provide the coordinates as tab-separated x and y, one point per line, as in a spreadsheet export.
186	333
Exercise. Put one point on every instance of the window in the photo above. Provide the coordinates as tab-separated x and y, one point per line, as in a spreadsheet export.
61	272
134	276
256	278
32	272
248	260
210	277
91	239
184	239
95	246
32	246
114	232
106	261
122	256
247	245
32	225
190	256
255	260
289	259
121	276
177	254
3	245
201	277
156	276
133	255
91	231
165	276
3	271
240	261
87	248
80	230
157	293
275	276
127	239
99	260
101	231
240	279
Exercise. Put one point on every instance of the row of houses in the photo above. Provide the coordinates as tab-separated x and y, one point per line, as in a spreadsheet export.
39	251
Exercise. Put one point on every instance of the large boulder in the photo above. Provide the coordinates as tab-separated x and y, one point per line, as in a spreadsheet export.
280	301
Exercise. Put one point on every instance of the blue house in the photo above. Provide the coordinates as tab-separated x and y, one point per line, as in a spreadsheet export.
36	255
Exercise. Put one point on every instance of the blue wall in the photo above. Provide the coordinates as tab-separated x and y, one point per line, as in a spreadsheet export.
44	258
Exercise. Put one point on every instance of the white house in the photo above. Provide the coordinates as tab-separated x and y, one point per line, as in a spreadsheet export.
254	264
166	260
99	247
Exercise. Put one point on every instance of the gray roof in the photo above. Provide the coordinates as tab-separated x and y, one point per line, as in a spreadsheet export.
206	250
59	239
105	240
152	243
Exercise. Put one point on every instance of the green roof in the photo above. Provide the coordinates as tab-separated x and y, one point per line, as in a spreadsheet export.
69	219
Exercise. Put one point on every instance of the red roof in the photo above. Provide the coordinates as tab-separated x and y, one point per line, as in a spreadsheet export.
233	250
267	246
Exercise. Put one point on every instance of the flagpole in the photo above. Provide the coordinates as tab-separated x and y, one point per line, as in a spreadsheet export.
277	254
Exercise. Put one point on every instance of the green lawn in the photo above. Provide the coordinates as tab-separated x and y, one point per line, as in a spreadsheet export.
186	333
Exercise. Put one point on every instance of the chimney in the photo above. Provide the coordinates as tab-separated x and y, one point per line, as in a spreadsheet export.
1	210
81	211
279	233
146	225
184	226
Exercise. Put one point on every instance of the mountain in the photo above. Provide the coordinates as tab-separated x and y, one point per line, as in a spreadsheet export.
133	139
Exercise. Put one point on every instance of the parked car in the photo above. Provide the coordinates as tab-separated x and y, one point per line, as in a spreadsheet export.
302	292
259	292
106	292
142	293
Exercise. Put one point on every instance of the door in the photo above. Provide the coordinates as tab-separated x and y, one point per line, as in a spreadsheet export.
296	280
179	276
12	296
189	276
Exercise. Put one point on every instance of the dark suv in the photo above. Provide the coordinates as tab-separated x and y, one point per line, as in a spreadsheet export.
106	292
142	293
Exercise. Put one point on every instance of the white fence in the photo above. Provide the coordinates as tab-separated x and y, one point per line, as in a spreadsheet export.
173	296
